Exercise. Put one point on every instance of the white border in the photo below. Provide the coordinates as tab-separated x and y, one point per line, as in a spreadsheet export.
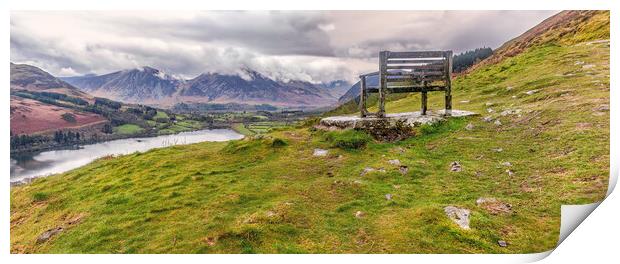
594	240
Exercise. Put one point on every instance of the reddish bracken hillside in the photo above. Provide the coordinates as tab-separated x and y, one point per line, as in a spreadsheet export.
30	116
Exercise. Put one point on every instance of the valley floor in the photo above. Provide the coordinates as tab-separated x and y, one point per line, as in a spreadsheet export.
542	140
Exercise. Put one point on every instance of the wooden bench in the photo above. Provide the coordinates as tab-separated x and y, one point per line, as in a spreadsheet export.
409	72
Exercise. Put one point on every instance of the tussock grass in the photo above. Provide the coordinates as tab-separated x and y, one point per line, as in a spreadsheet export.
246	196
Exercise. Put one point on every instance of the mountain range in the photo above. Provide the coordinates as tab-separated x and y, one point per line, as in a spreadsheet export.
148	85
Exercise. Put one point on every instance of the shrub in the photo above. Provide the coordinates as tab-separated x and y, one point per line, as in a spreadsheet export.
69	117
276	143
39	196
348	139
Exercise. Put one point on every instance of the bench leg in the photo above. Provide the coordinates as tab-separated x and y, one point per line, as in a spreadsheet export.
448	103
362	106
424	103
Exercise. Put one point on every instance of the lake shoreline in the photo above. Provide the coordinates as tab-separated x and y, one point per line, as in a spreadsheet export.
26	167
38	149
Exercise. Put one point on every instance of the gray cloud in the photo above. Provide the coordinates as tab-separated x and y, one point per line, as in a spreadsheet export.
313	46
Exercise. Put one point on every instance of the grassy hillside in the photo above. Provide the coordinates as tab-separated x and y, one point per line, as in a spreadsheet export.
271	195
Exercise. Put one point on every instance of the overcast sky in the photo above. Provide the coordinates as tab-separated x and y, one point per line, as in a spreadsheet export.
312	46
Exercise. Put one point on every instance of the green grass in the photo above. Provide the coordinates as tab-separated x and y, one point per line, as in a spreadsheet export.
348	139
259	196
240	128
127	129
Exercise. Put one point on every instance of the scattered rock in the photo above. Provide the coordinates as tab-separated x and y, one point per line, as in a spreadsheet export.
602	108
388	197
579	63
320	152
531	92
494	206
588	66
357	182
497	123
465	101
510	112
514	97
394	162
487	119
359	214
507	164
502	243
498	149
459	215
455	166
510	173
403	169
396	186
210	241
469	126
488	103
48	234
382	170
270	214
489	110
367	170
509	88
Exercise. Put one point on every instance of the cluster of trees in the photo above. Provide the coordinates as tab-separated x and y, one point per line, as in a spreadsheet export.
51	98
20	141
107	103
466	59
66	137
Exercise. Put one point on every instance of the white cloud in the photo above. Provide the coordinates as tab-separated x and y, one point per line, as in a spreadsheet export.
312	46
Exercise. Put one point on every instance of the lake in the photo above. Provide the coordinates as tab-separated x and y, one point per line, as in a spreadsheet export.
40	164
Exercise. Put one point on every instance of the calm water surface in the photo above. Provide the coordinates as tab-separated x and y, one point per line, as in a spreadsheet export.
56	161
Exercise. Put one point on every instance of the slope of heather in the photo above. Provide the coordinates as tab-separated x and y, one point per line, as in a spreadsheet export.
542	140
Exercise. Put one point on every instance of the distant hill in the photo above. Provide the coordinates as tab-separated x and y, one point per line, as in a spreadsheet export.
135	85
152	86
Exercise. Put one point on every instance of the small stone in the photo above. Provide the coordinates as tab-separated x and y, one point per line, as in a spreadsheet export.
45	236
388	197
469	126
507	164
270	214
366	171
588	66
602	108
382	170
403	169
498	149
502	243
394	162
514	97
510	173
488	104
509	88
459	215
358	182
487	119
455	166
465	101
497	123
579	63
489	110
396	186
359	214
531	92
320	152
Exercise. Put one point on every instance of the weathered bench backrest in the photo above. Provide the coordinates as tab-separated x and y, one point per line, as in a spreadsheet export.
412	71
